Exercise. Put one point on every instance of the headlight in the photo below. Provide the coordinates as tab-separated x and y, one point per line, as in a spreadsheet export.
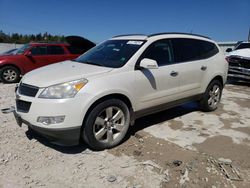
64	90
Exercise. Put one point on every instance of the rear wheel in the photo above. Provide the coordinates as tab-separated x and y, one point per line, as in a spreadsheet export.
212	96
9	74
106	124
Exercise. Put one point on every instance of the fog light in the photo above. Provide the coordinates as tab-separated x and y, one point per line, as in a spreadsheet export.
50	120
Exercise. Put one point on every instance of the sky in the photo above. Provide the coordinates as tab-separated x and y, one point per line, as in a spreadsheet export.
98	20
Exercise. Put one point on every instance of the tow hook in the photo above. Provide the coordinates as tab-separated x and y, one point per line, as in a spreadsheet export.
8	110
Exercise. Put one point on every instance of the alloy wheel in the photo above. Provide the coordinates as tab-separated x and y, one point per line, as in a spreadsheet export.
9	75
214	96
109	124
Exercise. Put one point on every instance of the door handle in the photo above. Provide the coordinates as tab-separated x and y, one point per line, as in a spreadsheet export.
203	67
174	73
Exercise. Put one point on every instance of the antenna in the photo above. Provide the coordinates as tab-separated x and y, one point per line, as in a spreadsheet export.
249	35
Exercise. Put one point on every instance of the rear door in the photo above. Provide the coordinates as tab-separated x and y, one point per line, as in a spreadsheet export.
56	53
192	64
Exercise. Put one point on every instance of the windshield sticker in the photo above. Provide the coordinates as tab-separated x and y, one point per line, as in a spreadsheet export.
134	42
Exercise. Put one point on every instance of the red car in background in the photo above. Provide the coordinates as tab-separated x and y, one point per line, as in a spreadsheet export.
34	55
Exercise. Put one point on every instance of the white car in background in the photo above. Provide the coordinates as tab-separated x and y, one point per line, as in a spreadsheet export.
97	96
239	62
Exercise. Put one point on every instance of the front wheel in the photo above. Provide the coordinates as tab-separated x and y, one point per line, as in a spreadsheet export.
106	125
9	74
212	96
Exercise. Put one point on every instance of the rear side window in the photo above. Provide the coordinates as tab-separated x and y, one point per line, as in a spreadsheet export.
75	50
192	49
55	50
39	50
160	51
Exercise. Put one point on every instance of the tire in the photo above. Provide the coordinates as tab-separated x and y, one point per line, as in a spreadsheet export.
212	96
106	125
9	74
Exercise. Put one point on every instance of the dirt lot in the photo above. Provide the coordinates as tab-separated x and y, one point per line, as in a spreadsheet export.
180	147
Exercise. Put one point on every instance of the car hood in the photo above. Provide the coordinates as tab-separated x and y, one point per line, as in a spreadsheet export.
62	72
243	53
7	56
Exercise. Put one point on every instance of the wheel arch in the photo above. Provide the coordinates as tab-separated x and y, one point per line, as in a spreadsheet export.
219	78
12	65
119	96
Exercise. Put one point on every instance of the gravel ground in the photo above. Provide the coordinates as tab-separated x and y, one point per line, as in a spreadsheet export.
180	147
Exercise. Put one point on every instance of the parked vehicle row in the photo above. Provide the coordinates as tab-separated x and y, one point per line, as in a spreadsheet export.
30	56
98	95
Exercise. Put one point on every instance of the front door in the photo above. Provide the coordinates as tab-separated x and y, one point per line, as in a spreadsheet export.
42	55
157	86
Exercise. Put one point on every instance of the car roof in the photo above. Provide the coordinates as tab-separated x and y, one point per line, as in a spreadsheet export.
49	43
145	37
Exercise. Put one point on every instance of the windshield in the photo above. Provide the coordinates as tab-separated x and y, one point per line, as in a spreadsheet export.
22	49
112	53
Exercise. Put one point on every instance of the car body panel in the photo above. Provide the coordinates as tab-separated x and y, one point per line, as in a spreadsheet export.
144	88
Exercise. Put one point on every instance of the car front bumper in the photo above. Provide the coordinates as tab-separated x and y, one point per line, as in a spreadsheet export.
67	132
239	73
60	136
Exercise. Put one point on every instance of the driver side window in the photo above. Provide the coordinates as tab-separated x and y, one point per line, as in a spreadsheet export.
160	51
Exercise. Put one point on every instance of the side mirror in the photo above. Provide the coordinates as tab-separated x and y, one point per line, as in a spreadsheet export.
229	50
29	54
148	64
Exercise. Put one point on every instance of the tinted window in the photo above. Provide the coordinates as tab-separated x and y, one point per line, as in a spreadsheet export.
55	50
242	46
39	50
192	49
74	50
112	53
159	51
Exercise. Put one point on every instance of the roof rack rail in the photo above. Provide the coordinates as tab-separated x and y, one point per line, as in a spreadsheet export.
179	33
129	35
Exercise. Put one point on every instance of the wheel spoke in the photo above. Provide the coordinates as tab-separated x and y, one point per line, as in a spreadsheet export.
217	91
109	112
118	127
110	135
117	116
216	99
99	121
213	103
210	101
100	133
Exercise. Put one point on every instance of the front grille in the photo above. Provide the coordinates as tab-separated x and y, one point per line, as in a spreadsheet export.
28	90
23	106
239	62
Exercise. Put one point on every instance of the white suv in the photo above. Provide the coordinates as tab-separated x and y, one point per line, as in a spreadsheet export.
97	96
